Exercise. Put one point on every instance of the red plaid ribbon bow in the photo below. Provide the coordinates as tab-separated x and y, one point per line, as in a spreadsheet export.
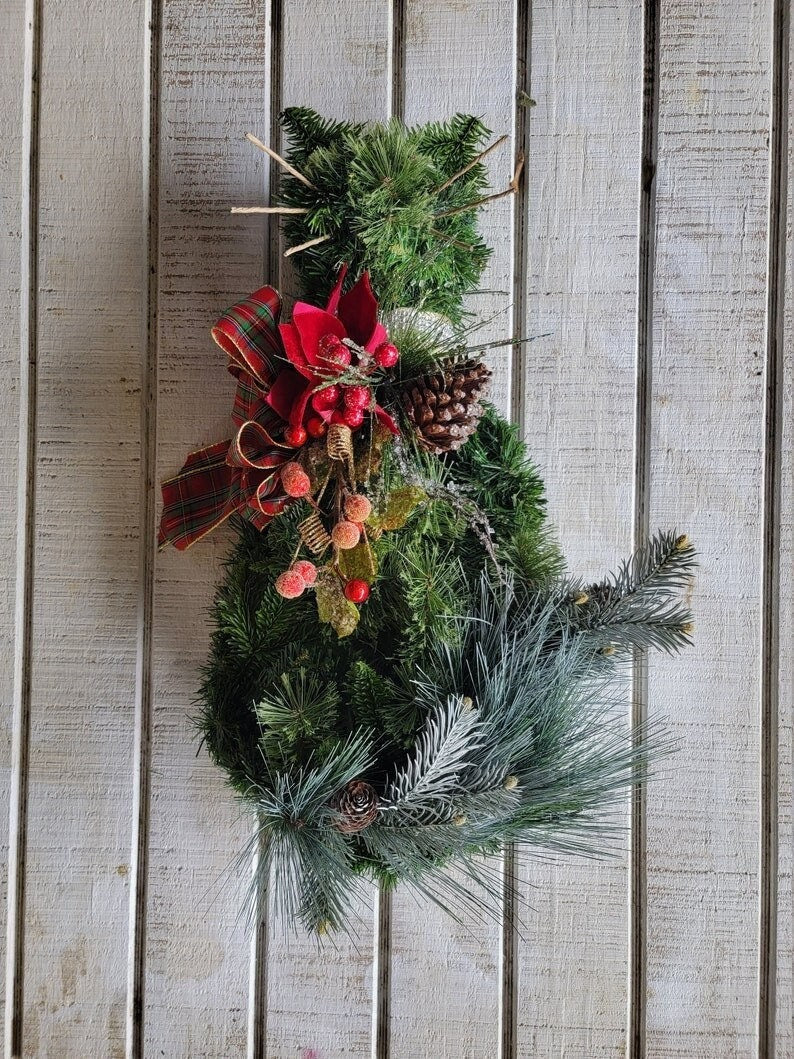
242	473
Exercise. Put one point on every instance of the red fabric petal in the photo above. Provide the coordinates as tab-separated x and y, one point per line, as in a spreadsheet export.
386	419
299	407
293	348
285	391
312	323
358	310
379	336
333	297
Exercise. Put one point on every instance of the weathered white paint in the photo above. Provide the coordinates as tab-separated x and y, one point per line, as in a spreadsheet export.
706	460
12	92
359	59
88	332
214	88
785	934
582	284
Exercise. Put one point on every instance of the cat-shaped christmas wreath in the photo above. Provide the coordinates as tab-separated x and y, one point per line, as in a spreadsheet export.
402	678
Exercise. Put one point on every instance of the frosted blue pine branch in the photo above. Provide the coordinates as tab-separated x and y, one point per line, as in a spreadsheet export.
428	784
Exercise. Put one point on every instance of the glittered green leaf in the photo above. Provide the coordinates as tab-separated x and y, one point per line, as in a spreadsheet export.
332	605
397	507
359	562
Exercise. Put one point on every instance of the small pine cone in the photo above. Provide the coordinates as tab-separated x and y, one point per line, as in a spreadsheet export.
357	805
444	406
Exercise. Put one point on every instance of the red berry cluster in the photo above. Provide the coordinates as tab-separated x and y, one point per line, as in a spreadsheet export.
347	404
293	582
345	535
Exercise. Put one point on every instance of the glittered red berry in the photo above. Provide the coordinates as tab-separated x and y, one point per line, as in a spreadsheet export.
386	355
316	427
295	436
353	417
327	345
331	351
345	535
328	397
356	396
295	480
307	570
358	508
339	417
357	591
340	358
290	584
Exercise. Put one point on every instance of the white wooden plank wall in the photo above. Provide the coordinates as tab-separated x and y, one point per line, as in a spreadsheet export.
12	303
707	405
579	406
213	82
86	340
647	251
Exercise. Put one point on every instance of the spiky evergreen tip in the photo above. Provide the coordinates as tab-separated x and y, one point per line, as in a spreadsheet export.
379	199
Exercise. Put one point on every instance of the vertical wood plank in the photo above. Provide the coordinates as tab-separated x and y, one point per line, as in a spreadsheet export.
18	133
90	270
646	259
586	67
707	439
510	875
214	79
785	917
458	59
773	746
320	995
141	763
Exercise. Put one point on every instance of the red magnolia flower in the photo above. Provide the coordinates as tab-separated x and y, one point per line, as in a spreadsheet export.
353	315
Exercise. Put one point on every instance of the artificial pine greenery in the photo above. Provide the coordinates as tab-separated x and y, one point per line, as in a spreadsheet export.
382	198
427	574
541	757
477	692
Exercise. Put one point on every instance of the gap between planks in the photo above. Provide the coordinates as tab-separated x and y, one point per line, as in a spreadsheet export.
150	142
271	262
771	527
522	45
26	528
382	912
396	58
638	874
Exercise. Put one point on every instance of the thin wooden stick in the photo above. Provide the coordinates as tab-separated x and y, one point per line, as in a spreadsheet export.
268	209
305	246
281	161
511	189
454	242
471	164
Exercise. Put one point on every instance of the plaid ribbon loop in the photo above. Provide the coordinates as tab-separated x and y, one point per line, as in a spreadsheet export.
240	474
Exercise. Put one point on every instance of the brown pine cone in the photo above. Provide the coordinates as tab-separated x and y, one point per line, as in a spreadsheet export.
444	406
357	805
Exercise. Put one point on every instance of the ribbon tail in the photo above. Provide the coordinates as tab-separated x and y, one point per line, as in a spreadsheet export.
199	498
